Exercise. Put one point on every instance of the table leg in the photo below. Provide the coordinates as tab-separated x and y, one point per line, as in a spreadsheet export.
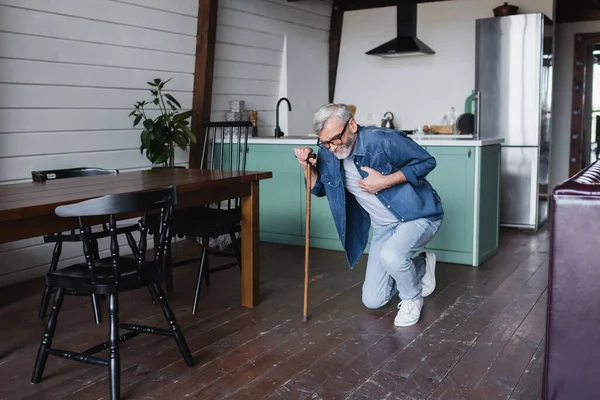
250	247
167	282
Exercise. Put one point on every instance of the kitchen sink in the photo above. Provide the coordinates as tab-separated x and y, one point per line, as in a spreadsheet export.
285	137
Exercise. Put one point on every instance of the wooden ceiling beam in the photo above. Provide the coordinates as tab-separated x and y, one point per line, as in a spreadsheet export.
335	39
575	11
352	5
203	75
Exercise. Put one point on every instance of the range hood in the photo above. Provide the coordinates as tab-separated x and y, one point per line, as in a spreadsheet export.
406	42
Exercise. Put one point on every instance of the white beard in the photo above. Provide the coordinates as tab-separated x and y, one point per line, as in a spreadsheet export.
346	150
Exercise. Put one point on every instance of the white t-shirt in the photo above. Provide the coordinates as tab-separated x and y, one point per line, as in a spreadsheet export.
380	215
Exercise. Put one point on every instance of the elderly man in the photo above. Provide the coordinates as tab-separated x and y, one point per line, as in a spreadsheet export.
375	177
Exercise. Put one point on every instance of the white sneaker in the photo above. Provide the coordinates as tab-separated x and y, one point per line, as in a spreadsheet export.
428	281
409	312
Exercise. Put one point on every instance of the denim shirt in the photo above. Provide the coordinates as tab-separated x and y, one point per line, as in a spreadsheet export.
386	151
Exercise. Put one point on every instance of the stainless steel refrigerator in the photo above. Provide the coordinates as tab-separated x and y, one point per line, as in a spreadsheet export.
513	81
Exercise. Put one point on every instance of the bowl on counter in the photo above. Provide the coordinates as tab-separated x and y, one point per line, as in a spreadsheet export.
505	10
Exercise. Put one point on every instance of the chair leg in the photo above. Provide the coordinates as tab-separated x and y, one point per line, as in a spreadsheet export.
205	241
201	274
170	317
96	249
97	309
47	291
96	298
113	341
169	271
152	295
45	302
132	244
43	351
236	248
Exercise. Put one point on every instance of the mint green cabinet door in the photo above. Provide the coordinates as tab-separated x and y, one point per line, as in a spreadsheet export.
322	225
281	195
453	179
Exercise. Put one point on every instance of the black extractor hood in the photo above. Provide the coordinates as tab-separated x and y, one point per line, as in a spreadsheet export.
406	42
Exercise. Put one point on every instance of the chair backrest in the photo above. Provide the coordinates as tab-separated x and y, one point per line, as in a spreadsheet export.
162	201
228	141
41	176
225	148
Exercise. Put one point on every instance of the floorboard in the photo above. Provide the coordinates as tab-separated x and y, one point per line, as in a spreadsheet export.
480	336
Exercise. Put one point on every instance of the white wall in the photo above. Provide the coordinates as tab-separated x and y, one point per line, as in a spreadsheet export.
563	96
70	72
250	53
418	90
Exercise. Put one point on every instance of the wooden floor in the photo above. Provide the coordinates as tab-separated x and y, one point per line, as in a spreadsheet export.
481	335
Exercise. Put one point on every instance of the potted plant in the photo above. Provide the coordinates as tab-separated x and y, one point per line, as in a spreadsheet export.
169	129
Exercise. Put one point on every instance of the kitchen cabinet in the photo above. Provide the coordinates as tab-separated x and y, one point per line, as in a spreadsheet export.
454	181
281	198
467	179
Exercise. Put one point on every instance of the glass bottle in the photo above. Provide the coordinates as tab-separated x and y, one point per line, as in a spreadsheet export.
452	120
254	120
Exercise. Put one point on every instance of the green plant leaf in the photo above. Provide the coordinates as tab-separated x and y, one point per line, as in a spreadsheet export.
182	116
131	113
190	134
161	158
181	142
167	130
149	124
158	133
156	147
168	96
146	138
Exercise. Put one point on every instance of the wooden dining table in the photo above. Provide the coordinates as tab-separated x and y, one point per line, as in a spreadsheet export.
27	209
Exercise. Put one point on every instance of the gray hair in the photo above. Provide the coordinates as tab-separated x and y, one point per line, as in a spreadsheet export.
341	111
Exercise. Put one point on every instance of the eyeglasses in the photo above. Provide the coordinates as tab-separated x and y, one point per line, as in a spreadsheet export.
336	140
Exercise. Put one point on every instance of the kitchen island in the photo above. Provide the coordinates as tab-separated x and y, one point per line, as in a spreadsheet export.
467	179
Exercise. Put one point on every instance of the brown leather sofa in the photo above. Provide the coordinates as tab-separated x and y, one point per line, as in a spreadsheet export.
572	363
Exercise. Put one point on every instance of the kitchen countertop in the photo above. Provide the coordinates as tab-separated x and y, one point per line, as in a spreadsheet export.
425	140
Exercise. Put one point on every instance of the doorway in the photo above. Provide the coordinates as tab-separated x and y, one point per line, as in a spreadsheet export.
585	113
593	151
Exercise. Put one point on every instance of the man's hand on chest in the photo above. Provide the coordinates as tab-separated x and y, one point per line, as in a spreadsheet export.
376	182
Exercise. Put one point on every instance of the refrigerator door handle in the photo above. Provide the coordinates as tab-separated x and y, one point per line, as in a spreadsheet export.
478	114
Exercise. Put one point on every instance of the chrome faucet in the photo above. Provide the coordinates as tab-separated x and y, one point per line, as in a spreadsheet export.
278	131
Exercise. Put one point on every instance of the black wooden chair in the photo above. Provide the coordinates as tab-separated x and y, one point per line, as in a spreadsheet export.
113	275
225	147
61	237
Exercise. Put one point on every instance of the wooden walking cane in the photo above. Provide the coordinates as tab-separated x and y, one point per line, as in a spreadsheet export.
307	240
